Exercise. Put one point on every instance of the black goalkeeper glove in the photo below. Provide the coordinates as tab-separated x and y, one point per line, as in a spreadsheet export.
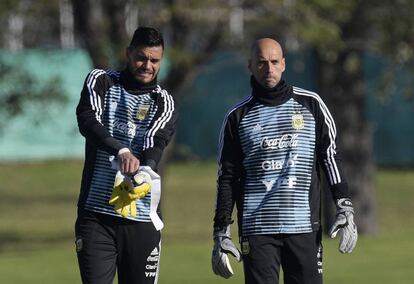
222	246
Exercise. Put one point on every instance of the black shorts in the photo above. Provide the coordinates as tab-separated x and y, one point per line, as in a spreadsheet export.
300	256
106	244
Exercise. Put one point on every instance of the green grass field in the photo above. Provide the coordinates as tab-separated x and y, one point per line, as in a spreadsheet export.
38	208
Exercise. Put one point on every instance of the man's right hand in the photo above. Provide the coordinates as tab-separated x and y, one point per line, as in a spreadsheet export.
128	163
222	246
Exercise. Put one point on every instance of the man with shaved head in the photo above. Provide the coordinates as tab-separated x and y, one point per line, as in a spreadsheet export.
271	149
266	62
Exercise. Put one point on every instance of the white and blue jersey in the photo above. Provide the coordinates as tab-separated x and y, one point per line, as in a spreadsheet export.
270	149
115	112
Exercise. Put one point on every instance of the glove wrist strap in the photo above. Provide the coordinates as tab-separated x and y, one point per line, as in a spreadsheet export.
223	232
344	205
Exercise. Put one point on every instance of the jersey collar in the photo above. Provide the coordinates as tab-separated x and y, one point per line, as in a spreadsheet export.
281	93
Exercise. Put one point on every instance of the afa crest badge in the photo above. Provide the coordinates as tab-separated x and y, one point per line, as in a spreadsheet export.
297	121
142	112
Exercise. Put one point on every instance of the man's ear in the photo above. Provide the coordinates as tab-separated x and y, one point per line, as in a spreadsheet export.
283	64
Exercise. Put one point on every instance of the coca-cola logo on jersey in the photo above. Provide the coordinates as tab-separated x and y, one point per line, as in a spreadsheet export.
285	141
128	129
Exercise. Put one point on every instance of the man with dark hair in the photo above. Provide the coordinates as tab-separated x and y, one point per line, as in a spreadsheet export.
127	120
272	146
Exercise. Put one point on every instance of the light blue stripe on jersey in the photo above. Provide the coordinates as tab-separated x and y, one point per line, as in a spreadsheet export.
120	116
278	164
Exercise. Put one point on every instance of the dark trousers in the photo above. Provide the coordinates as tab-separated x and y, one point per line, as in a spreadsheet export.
299	255
106	244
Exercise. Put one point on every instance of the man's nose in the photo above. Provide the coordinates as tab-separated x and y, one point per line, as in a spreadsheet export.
269	67
147	64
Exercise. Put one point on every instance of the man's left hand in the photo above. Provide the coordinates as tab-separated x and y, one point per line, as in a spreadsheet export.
345	221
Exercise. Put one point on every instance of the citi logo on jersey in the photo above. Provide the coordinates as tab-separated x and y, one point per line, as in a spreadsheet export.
285	141
270	165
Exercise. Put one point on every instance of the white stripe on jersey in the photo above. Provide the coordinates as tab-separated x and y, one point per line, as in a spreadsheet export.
95	99
170	112
162	120
223	126
330	163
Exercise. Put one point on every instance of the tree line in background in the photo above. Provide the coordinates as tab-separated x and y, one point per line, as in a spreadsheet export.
340	32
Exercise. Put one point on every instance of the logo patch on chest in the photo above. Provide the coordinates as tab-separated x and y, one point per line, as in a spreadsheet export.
142	112
297	121
257	128
283	142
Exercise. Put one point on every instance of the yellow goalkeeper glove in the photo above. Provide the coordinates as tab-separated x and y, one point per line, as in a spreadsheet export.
120	198
141	185
126	191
